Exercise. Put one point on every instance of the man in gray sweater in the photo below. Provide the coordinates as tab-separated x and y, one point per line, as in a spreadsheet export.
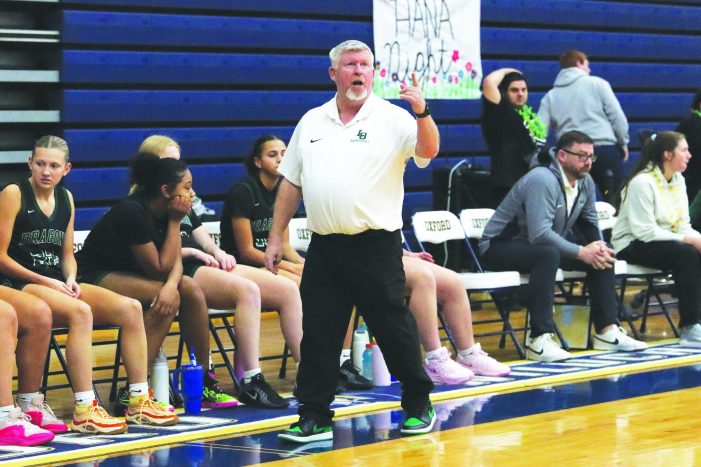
586	103
532	231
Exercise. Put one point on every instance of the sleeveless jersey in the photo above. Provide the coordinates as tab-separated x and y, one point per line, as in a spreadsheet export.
37	239
249	199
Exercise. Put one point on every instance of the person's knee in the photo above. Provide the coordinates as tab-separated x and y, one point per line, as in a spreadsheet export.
548	258
81	317
190	291
248	295
8	319
419	278
39	318
132	311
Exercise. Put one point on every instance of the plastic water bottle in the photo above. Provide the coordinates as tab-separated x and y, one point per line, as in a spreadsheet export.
360	339
159	377
367	362
380	373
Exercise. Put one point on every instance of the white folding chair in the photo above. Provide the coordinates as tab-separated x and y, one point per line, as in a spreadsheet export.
299	235
438	227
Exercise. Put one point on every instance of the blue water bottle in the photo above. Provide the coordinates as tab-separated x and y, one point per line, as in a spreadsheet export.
190	380
367	362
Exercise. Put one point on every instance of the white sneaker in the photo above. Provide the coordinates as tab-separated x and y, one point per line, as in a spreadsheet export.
691	336
617	339
543	349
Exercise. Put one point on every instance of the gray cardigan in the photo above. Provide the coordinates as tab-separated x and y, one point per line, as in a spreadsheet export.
536	210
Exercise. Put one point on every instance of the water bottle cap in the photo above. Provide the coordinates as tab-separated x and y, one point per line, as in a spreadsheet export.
368	345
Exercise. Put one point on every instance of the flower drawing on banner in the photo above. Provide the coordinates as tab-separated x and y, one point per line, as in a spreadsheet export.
468	66
461	74
456	80
473	74
395	77
434	79
456	55
377	65
383	72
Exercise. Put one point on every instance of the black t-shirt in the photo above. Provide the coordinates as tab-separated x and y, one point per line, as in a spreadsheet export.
37	239
129	222
691	128
187	225
508	140
251	200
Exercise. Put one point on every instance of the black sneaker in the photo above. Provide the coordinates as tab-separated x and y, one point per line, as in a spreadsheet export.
306	430
350	377
258	393
121	402
420	421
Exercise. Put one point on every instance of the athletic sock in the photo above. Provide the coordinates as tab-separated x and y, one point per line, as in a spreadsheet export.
433	354
84	397
345	355
249	374
465	353
138	389
24	399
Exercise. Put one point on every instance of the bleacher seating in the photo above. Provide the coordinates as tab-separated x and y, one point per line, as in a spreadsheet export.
214	74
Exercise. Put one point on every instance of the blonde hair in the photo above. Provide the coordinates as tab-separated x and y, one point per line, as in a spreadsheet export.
51	142
348	46
156	144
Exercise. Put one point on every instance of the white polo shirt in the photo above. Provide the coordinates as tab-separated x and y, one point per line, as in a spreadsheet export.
352	175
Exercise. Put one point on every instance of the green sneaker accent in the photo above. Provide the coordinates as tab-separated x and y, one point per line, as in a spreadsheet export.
306	430
420	423
214	397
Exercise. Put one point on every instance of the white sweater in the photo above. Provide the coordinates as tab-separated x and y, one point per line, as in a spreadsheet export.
652	209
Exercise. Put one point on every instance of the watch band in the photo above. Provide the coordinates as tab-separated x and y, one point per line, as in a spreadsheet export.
425	113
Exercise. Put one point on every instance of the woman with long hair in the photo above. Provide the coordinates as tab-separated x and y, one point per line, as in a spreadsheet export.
653	226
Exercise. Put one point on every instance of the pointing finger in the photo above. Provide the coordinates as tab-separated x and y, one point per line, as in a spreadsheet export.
414	80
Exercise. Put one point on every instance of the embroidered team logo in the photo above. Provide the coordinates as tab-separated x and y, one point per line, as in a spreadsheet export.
360	137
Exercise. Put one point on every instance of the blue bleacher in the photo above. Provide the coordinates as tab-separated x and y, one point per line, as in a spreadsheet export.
214	74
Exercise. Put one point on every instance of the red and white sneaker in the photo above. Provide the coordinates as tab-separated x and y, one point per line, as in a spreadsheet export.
17	430
482	364
444	370
42	416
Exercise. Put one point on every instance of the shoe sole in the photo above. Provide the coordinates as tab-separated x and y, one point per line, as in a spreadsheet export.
618	348
539	358
93	429
34	440
686	343
306	439
147	420
219	405
257	403
419	431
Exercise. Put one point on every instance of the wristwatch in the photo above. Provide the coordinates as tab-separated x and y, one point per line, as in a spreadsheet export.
425	113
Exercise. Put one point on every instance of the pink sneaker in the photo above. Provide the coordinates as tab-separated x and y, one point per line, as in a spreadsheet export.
446	371
482	364
42	416
17	430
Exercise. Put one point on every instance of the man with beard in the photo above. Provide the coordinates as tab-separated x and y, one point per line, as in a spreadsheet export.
531	232
512	130
347	158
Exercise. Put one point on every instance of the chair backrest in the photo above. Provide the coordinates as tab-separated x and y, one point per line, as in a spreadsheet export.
436	227
213	229
79	237
474	220
300	236
606	214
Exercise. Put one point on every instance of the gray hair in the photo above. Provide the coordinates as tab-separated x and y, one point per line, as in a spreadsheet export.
348	46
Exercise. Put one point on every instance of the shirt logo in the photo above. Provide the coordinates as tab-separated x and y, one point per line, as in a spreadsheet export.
31	211
360	137
315	140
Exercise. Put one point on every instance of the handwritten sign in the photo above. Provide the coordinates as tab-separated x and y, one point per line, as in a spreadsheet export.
439	40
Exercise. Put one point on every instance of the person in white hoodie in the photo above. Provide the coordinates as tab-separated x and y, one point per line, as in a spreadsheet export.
653	226
587	103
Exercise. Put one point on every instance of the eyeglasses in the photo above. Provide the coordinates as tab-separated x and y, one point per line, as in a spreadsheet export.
582	156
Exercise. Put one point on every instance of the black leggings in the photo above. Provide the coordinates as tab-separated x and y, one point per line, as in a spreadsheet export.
685	264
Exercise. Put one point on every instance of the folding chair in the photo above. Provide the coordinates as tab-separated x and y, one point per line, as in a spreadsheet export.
438	227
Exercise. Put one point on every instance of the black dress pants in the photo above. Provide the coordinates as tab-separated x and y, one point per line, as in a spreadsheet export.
365	270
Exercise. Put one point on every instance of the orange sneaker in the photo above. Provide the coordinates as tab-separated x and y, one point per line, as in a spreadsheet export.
143	410
95	420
